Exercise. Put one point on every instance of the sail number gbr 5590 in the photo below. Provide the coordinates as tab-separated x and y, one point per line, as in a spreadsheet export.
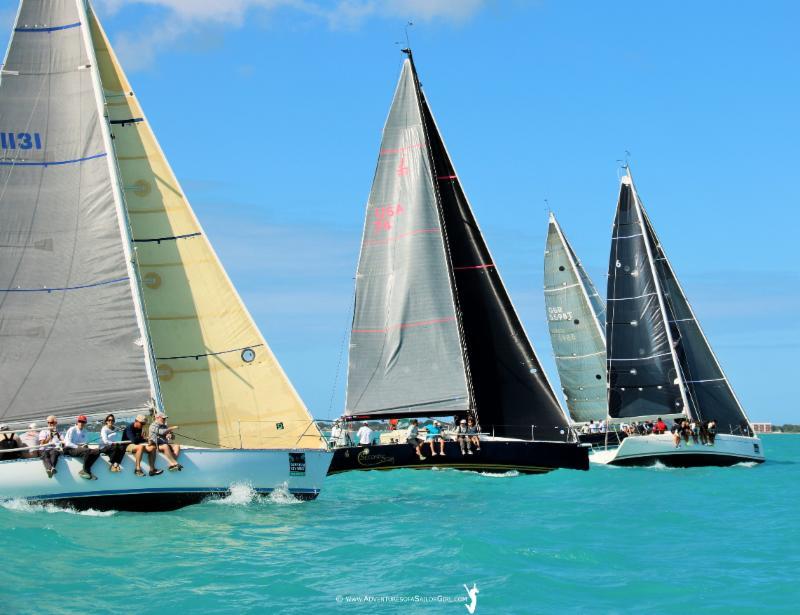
20	140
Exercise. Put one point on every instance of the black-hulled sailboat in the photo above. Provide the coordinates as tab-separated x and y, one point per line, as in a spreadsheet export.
660	363
434	332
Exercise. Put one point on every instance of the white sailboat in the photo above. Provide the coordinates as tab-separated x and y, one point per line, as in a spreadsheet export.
111	296
660	363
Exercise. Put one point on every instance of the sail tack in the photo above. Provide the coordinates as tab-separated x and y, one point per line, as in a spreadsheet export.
405	349
69	337
218	378
576	320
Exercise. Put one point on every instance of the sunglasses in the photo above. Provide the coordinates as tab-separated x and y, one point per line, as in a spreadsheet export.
52	422
109	420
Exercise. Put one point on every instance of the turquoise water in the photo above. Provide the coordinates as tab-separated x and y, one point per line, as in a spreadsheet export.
610	540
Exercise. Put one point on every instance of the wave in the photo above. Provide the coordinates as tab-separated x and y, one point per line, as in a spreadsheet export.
747	464
23	506
282	495
509	474
241	494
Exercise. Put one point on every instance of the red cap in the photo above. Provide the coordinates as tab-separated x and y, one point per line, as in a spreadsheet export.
82	419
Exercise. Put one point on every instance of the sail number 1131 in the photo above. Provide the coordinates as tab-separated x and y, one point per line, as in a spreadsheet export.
20	140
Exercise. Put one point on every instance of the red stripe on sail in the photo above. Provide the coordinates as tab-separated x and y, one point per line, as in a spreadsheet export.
446	177
375	242
408	325
400	149
489	266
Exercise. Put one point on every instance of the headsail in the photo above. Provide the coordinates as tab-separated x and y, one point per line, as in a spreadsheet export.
510	389
576	319
405	348
709	393
218	378
644	374
70	340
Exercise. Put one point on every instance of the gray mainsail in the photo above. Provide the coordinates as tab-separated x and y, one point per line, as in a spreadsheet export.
643	370
70	339
576	320
709	393
406	354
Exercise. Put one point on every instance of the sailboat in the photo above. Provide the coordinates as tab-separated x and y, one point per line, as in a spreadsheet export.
576	319
111	296
434	331
660	363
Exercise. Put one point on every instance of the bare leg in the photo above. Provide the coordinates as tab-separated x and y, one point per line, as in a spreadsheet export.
441	446
151	456
137	456
433	450
167	452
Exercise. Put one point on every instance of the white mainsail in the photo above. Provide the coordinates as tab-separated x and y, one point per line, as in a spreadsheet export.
576	320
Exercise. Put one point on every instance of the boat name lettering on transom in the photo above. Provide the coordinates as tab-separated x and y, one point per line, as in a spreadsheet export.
558	313
20	140
384	215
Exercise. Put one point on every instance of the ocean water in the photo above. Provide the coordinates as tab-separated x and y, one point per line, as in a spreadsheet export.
612	540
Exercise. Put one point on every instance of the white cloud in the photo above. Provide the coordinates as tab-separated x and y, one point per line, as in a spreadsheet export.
139	50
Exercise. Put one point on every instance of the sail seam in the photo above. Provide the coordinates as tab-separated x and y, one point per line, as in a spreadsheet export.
207	354
628	236
408	325
581	356
63	288
558	288
631	298
653	356
706	380
16	163
50	29
377	242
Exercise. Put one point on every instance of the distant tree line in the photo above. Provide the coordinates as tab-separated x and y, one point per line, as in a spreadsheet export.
788	428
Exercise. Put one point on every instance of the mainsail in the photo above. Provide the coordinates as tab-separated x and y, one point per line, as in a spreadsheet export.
71	335
576	319
218	378
491	367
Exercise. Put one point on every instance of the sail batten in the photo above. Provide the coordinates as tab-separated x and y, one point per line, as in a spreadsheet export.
576	321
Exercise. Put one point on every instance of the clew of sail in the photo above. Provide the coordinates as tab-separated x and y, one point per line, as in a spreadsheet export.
709	393
643	371
576	320
218	378
70	339
405	349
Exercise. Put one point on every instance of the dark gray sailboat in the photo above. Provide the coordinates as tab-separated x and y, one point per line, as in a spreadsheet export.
660	363
434	331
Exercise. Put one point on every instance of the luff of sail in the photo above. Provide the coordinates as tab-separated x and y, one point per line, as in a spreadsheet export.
218	378
70	341
643	372
709	392
577	330
512	394
405	349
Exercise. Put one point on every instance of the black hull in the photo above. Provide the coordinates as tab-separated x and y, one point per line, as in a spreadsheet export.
693	460
145	502
525	457
599	439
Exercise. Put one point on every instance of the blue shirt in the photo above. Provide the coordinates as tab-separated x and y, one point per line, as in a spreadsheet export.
433	430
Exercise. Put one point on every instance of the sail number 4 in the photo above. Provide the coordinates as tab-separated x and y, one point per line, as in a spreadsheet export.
20	140
384	215
558	313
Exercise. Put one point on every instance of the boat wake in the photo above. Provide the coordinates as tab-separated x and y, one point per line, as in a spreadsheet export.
282	495
242	494
509	474
747	464
23	506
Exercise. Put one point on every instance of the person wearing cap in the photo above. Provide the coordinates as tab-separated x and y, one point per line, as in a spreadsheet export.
364	435
336	434
473	429
160	436
463	437
111	446
8	442
435	435
138	444
30	439
50	445
76	444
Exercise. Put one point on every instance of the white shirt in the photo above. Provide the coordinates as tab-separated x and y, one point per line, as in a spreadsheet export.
364	435
30	438
75	436
108	435
45	434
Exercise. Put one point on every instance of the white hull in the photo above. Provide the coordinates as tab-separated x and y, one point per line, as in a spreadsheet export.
647	450
205	472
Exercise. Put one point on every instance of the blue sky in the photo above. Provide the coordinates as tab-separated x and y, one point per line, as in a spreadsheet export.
271	112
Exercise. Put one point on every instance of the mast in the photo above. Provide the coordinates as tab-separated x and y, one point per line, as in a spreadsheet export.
122	215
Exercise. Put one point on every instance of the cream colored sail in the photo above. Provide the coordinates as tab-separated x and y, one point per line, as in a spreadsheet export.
219	380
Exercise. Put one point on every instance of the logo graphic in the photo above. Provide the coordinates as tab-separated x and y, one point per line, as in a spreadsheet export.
366	459
473	596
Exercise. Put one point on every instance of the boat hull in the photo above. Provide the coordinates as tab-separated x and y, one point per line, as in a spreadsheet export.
206	472
496	456
652	449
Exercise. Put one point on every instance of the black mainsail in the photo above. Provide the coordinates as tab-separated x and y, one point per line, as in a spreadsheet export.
503	381
659	360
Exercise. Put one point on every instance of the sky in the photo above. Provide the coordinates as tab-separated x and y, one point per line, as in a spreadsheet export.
271	111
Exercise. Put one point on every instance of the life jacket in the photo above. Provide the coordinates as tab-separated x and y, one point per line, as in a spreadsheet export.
7	443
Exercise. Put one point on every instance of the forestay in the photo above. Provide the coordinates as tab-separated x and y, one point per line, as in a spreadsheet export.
69	337
405	350
218	378
576	320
